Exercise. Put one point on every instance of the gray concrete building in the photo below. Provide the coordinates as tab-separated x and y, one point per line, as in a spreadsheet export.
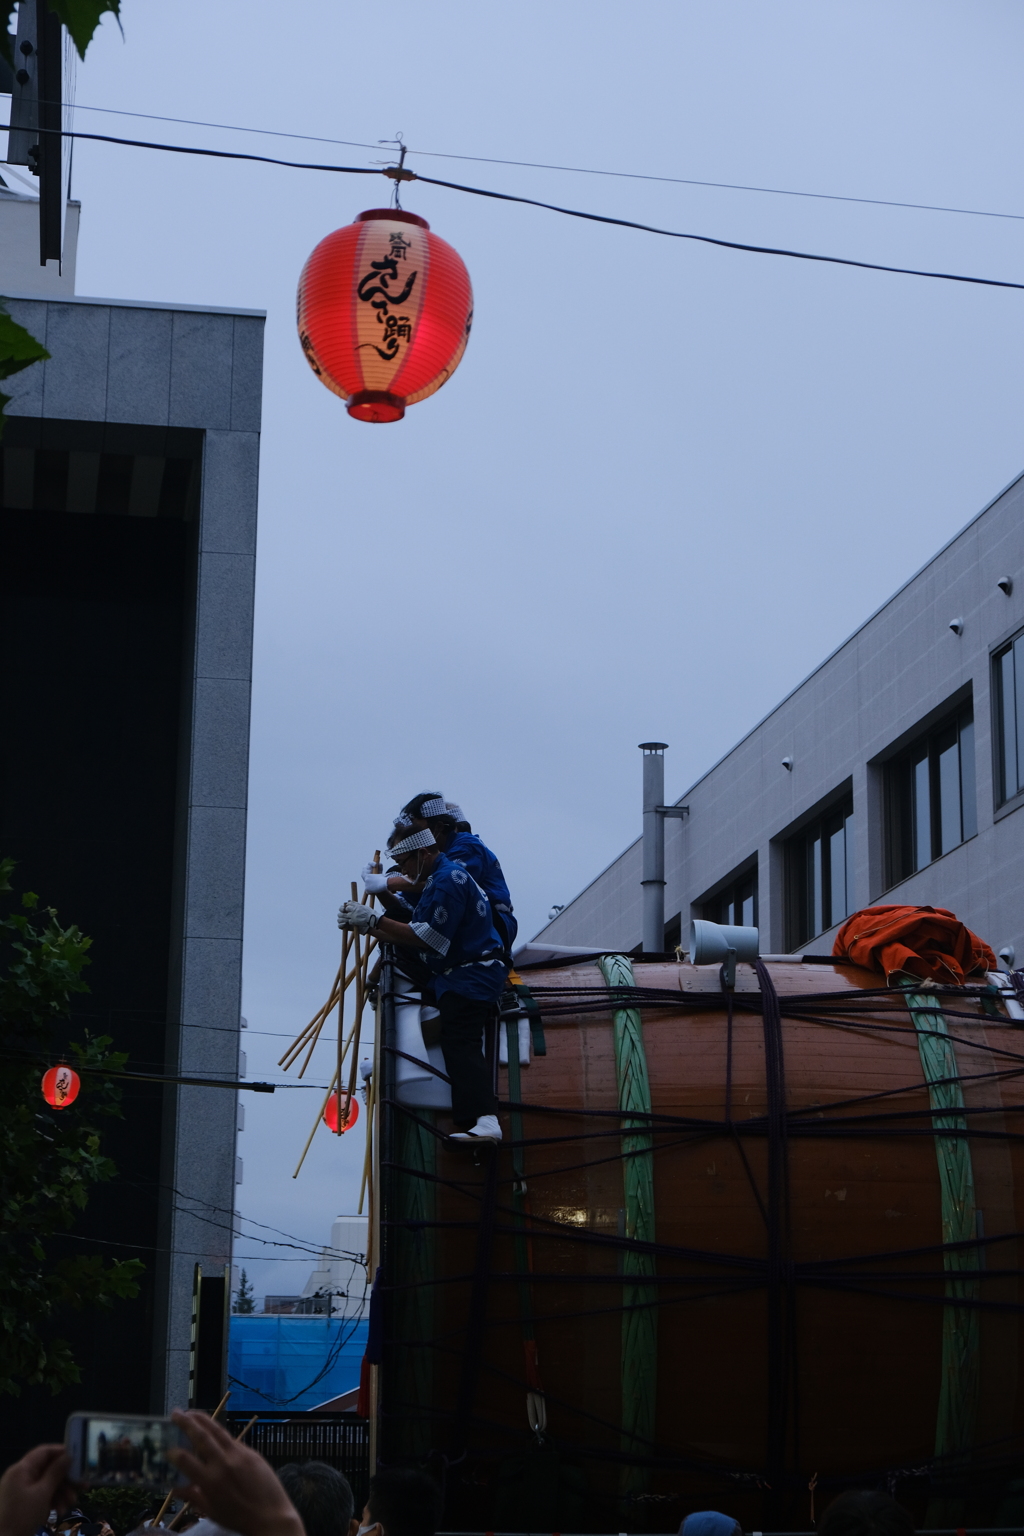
894	774
127	559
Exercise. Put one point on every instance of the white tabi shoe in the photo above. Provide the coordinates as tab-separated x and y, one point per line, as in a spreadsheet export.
486	1129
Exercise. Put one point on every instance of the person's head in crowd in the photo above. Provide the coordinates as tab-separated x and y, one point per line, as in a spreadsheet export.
402	1501
861	1512
323	1497
708	1522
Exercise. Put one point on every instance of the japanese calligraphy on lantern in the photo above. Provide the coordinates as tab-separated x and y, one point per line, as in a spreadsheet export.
378	289
388	296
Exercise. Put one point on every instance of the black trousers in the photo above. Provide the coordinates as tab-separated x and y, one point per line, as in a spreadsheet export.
463	1020
412	965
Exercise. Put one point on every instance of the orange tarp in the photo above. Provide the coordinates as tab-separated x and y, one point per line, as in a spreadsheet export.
928	942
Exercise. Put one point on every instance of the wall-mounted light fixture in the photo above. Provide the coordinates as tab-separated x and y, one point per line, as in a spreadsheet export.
1005	584
957	626
787	763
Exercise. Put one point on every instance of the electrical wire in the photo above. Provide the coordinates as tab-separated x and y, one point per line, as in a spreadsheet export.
543	165
532	202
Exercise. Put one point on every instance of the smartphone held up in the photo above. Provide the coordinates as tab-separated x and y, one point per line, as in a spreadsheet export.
125	1450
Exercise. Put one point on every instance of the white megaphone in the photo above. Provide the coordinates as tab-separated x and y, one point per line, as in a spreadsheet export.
721	944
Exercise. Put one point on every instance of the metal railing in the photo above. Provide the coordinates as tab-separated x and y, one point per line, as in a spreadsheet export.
342	1440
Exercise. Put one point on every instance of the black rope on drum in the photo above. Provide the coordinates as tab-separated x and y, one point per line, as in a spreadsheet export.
780	1287
477	1321
730	1123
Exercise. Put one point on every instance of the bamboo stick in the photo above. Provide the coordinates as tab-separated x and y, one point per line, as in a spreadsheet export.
316	1022
354	1067
165	1506
309	1055
316	1122
186	1507
371	1105
323	1107
341	1009
341	1054
319	1018
342	1118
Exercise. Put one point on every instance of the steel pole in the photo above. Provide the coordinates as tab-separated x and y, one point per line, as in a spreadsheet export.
653	880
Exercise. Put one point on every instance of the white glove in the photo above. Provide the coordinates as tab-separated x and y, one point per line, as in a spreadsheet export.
354	916
374	884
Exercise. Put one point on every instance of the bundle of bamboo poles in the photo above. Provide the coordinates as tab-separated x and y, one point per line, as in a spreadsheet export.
356	948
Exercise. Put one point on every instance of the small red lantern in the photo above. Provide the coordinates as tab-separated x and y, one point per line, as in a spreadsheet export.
331	1112
60	1086
384	311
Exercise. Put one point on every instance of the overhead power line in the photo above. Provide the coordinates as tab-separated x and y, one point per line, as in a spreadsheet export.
574	170
532	202
729	245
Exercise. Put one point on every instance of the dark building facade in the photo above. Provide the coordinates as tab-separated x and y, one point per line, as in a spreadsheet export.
127	555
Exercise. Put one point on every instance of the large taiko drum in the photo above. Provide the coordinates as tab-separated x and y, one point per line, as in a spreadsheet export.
717	1257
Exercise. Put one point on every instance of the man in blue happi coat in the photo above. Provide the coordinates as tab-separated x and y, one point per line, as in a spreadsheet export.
458	842
453	931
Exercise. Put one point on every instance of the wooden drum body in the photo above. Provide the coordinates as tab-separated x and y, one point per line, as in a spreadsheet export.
804	1299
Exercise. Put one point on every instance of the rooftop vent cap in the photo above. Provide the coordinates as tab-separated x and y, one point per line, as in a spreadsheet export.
1007	956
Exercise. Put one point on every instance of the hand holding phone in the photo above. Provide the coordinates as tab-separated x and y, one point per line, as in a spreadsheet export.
127	1450
33	1486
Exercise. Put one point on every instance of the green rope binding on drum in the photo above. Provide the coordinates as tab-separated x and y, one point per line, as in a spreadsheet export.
640	1320
958	1392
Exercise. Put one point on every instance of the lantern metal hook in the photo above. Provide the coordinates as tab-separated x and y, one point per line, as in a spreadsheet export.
398	173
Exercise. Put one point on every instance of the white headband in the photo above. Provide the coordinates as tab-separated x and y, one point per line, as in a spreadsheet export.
434	807
402	820
455	810
409	844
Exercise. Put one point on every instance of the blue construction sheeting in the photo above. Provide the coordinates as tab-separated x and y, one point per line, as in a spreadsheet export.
292	1362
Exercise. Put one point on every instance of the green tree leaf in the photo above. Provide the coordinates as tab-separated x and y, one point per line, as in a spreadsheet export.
18	348
82	17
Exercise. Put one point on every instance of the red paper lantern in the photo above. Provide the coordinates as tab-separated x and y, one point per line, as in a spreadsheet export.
384	311
60	1086
331	1112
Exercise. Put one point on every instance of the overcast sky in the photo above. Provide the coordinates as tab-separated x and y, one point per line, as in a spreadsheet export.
666	480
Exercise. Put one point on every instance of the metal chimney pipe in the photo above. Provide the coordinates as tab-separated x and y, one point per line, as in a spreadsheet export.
653	880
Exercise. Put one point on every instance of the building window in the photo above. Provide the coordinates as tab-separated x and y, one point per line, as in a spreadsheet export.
819	875
1009	691
736	905
931	796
